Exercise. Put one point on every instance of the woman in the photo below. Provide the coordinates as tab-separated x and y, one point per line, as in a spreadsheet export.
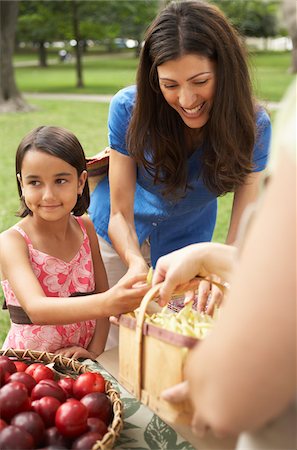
187	133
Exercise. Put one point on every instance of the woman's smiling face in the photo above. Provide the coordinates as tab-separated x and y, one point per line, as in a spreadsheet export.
188	85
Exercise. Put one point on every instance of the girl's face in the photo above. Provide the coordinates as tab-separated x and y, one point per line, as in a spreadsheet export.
188	85
50	185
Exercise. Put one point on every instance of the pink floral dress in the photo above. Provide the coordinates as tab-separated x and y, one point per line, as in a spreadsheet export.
58	279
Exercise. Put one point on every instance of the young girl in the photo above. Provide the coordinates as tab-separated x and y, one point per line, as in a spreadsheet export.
51	258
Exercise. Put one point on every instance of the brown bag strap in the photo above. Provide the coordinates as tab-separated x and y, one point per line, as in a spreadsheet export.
18	314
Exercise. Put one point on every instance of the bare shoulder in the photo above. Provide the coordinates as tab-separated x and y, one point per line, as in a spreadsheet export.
11	239
89	226
12	243
88	222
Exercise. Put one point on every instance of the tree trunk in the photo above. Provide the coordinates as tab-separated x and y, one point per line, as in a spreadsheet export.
289	12
10	97
78	47
42	55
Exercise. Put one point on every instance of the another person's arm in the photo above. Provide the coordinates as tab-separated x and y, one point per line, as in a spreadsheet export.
204	259
244	196
248	371
121	230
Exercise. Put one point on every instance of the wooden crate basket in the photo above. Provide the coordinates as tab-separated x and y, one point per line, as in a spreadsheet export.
152	359
72	367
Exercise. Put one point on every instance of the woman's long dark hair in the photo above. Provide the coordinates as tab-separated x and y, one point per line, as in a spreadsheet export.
63	144
193	27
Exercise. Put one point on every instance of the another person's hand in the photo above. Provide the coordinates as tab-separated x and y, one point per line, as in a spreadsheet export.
176	269
181	393
75	352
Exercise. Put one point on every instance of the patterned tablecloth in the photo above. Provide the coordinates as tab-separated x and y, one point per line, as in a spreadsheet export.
143	430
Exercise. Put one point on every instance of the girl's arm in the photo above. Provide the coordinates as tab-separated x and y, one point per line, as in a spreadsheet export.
16	268
121	230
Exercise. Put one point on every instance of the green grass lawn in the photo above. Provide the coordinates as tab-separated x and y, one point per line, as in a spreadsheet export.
106	74
103	75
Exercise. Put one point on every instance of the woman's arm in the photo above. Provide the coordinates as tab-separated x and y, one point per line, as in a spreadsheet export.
121	230
244	195
248	372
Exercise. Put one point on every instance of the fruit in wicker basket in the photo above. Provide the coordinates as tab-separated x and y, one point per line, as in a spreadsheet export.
86	441
95	424
71	418
88	382
66	384
32	423
30	418
14	438
13	399
24	378
54	438
48	388
98	405
3	424
40	372
7	367
20	366
46	407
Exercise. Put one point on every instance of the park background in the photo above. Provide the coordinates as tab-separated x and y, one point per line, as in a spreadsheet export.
69	57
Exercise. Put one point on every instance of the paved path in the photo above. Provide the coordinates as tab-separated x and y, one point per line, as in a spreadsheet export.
272	106
72	97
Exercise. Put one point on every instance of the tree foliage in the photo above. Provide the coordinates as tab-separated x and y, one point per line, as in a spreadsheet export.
252	17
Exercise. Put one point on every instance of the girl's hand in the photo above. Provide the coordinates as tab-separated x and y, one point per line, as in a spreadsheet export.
76	352
127	294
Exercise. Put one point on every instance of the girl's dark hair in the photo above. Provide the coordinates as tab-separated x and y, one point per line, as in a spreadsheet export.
194	27
59	142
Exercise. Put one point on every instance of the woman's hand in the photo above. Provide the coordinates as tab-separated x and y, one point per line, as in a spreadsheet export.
209	296
139	268
75	352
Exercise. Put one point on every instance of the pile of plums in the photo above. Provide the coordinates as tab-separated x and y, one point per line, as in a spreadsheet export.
38	412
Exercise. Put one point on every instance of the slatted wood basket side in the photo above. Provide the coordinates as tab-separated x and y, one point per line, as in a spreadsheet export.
75	368
148	365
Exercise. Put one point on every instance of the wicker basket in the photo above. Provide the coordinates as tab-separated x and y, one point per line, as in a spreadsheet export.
71	367
151	359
